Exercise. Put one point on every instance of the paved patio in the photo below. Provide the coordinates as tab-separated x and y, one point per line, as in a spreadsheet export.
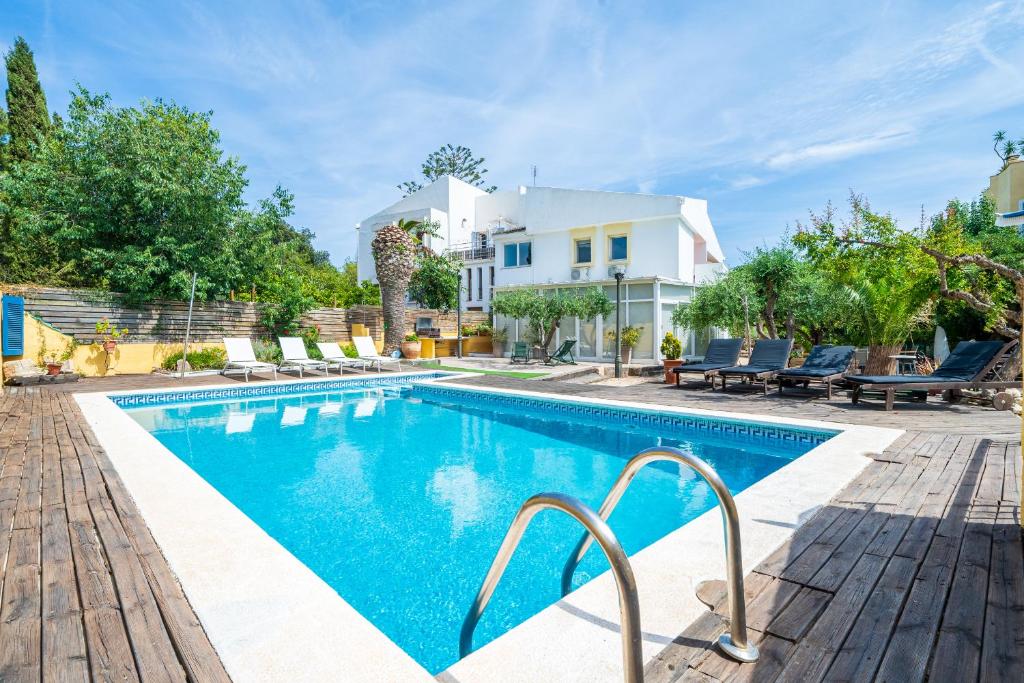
914	571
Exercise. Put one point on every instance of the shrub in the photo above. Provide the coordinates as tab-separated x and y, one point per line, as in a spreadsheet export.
671	347
267	351
212	358
349	350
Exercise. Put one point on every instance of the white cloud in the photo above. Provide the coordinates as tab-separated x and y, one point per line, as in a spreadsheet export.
836	150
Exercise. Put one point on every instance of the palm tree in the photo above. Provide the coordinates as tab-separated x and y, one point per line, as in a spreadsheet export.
394	252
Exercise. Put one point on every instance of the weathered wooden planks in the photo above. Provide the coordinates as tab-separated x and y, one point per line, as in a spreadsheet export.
84	591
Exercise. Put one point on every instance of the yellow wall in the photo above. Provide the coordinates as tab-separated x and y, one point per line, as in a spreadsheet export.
90	360
1006	188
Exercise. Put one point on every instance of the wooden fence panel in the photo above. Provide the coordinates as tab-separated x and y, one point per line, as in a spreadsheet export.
76	311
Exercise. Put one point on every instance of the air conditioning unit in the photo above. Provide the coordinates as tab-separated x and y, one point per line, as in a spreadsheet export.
580	274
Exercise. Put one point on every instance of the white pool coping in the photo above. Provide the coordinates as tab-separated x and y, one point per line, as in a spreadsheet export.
271	618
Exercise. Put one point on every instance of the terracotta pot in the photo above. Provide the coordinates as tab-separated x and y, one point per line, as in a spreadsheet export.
670	377
53	368
411	350
109	345
627	354
497	349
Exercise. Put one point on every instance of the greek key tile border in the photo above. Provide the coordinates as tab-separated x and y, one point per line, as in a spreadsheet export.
648	419
257	390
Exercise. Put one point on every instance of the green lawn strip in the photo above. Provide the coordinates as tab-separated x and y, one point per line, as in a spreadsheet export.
499	373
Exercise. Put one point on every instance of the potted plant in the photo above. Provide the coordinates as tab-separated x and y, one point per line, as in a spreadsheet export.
484	330
110	334
498	339
671	350
630	338
411	347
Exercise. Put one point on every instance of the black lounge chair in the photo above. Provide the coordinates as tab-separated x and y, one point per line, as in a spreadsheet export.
967	367
824	364
721	353
766	360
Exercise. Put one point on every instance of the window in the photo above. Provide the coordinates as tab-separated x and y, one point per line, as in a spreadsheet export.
479	284
618	248
469	284
582	251
518	254
492	275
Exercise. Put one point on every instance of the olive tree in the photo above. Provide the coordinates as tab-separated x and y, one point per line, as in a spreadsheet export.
544	310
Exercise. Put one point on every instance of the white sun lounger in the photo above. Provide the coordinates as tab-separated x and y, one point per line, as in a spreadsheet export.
294	355
242	357
368	352
333	355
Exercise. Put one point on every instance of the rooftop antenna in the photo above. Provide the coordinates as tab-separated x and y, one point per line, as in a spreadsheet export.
534	168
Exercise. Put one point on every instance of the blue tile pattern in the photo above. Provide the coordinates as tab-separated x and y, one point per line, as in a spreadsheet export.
256	390
638	417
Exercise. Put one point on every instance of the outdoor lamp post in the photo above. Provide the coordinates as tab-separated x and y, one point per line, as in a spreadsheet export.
619	274
458	317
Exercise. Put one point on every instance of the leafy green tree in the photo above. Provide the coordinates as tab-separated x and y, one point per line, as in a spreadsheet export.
28	117
454	161
979	264
134	199
889	280
720	304
435	283
544	310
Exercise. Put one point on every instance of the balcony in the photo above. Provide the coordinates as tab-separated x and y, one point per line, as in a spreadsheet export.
467	252
703	273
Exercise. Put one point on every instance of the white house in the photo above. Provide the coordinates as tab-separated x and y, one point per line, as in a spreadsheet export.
545	238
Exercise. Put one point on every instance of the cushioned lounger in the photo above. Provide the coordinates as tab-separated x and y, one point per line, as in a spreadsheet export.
824	364
965	368
721	353
768	357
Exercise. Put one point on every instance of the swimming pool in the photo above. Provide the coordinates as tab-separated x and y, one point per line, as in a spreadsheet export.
397	496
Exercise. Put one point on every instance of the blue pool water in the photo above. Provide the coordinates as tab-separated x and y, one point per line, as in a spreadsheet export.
399	499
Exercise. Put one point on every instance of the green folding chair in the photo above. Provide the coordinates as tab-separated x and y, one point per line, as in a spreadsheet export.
520	352
563	354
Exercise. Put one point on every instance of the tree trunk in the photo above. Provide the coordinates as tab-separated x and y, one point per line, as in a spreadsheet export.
393	302
790	326
769	317
879	361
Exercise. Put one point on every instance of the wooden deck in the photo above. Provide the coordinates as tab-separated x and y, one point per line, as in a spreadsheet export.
913	572
86	593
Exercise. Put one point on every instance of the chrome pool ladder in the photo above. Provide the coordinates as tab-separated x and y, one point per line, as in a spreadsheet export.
735	643
597	528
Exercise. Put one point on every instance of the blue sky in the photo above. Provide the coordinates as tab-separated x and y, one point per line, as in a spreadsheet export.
767	110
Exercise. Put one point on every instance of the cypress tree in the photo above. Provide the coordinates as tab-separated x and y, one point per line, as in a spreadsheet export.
27	116
3	140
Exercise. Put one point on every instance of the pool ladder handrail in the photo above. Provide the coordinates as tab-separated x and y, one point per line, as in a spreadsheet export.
629	608
735	643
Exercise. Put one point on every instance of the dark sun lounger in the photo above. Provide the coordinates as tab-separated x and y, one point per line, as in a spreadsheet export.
966	368
825	364
721	353
766	360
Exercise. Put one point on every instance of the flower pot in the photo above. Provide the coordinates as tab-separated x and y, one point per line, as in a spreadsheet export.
670	377
411	350
497	348
627	354
109	345
53	369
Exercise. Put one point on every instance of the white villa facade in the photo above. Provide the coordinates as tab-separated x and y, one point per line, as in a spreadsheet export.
552	238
